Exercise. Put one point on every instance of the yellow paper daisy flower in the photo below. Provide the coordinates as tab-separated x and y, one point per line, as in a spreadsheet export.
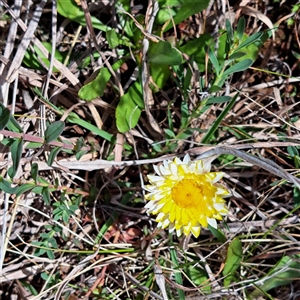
186	196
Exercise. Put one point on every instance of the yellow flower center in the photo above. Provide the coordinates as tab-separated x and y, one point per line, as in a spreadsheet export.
187	193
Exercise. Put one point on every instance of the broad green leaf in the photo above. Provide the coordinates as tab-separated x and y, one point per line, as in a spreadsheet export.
199	276
238	67
70	10
165	15
184	9
287	270
129	108
54	130
52	155
74	118
4	117
96	87
218	121
112	39
160	74
233	260
196	49
164	53
16	154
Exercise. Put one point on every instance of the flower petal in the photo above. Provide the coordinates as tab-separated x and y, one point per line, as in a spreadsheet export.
186	196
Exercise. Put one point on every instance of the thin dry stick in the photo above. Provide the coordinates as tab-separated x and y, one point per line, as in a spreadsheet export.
262	162
29	33
148	97
211	153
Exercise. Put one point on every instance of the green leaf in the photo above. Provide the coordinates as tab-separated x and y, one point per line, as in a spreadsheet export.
34	171
46	195
164	53
217	100
112	39
13	125
250	40
80	153
235	56
24	188
32	59
286	270
96	87
229	36
178	276
33	145
292	151
184	114
70	10
50	254
160	73
233	260
165	15
4	117
16	154
240	28
199	276
29	287
5	186
74	118
218	121
54	130
240	66
52	243
218	233
214	61
129	108
297	55
37	190
184	9
196	49
66	216
52	155
296	197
